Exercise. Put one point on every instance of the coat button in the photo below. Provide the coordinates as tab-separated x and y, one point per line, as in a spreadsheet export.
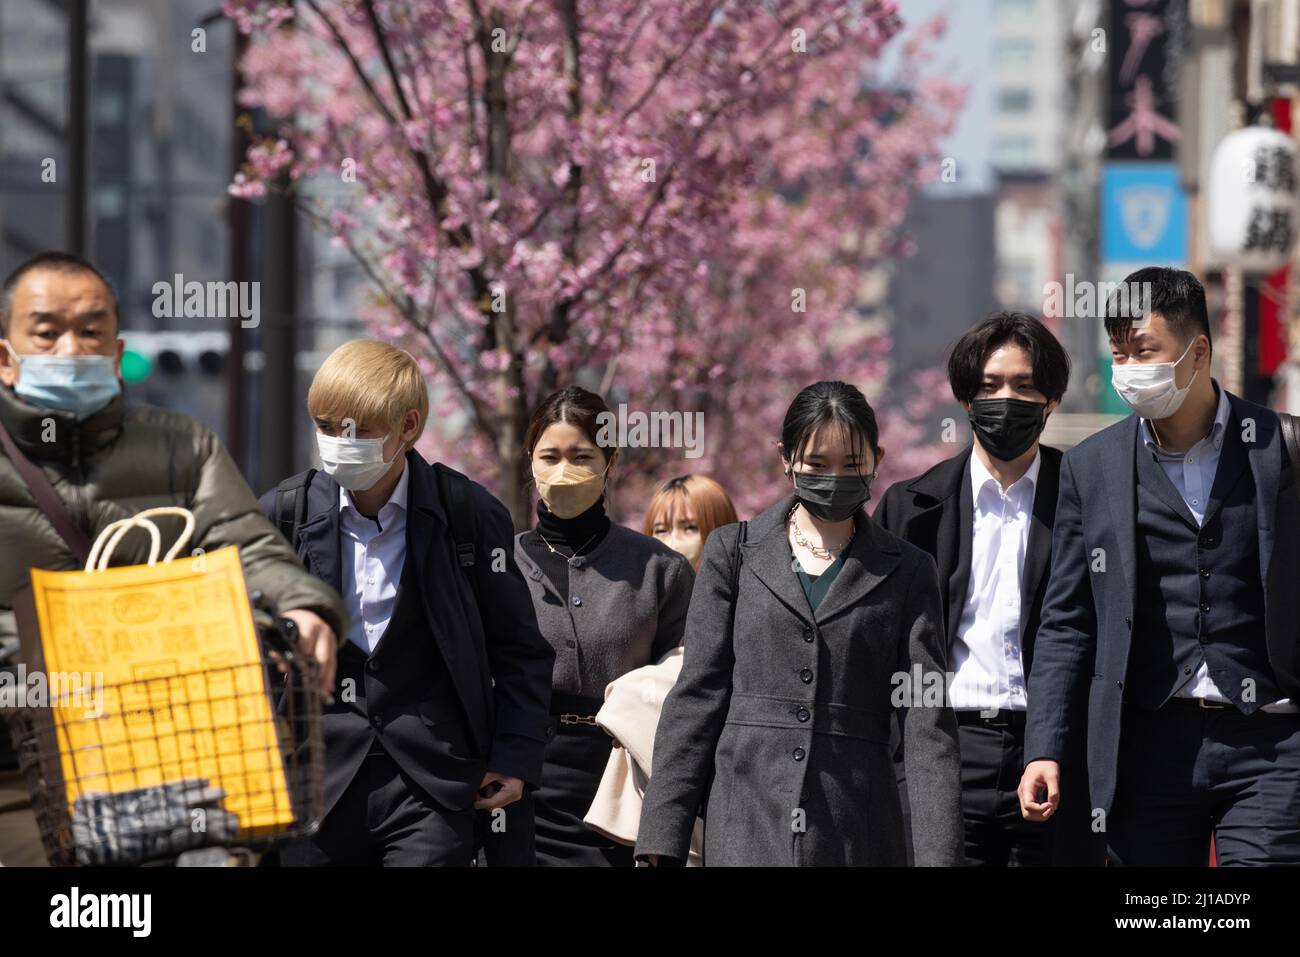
1205	573
1205	606
372	665
802	714
577	600
570	643
376	721
808	634
1187	671
799	754
806	676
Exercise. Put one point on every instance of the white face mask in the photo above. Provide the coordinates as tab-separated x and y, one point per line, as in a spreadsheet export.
356	464
690	547
1149	389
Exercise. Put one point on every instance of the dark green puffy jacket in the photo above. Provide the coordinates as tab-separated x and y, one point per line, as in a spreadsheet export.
123	460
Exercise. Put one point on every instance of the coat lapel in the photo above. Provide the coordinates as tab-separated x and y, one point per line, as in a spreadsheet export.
319	534
948	487
767	553
426	528
1038	549
1233	460
1119	471
869	559
1266	465
962	516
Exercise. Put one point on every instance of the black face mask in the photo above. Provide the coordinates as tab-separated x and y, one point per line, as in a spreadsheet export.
1007	427
832	498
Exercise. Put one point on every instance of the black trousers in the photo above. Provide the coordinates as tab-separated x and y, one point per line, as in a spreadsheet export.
1186	773
992	761
384	819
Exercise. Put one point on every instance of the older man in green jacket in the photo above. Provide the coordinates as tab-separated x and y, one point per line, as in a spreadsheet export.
61	402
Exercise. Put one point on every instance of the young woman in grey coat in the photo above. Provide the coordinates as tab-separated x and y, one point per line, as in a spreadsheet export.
778	728
608	599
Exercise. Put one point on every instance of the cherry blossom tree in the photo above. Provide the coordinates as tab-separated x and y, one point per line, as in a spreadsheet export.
673	202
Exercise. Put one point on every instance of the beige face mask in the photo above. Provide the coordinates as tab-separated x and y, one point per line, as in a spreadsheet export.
569	490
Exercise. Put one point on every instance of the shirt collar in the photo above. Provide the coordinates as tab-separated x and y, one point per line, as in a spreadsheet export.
981	476
397	500
1221	413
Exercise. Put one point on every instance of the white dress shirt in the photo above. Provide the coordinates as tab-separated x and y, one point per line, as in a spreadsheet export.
989	674
1192	473
372	553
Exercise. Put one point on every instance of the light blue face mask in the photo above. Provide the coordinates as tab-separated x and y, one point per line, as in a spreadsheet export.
81	385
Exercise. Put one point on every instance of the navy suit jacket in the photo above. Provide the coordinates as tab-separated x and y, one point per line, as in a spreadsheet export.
498	660
1082	653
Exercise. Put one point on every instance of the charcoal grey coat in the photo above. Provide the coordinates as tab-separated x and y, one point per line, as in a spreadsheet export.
789	711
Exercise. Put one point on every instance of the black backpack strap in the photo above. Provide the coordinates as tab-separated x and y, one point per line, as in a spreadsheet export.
291	504
455	492
1291	439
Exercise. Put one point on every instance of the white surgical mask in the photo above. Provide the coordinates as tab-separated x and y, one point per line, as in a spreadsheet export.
1149	389
356	464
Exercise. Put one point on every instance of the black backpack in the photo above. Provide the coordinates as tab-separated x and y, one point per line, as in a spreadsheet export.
453	489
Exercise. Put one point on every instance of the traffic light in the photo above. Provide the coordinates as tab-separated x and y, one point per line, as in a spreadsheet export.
156	357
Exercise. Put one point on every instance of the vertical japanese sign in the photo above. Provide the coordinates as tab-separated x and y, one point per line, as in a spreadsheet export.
1144	210
1143	80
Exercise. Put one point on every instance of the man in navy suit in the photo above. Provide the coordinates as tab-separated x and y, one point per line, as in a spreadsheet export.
1171	624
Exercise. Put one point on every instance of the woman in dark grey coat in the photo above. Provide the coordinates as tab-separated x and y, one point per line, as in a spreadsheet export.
608	599
778	728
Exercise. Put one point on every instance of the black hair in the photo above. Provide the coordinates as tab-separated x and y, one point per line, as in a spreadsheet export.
825	403
574	405
1176	294
55	261
1047	357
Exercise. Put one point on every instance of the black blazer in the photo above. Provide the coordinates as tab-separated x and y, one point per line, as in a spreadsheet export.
934	512
1084	639
493	662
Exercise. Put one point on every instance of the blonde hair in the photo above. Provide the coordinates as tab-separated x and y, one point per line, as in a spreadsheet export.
709	500
370	382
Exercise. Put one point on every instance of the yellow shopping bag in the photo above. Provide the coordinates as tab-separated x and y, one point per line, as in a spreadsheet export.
177	686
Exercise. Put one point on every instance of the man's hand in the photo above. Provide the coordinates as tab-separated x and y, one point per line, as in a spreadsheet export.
501	790
1040	776
317	640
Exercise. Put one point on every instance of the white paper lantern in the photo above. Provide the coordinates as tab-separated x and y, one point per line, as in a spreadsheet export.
1252	199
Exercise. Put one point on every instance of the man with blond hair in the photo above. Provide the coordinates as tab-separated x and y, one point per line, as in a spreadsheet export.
444	680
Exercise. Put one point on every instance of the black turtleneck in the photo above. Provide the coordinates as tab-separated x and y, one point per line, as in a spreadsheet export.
568	536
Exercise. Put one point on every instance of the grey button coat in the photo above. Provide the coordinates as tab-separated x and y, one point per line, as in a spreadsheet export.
784	719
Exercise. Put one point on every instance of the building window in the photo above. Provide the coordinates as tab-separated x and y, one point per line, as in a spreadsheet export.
1015	9
1015	100
1012	151
1013	52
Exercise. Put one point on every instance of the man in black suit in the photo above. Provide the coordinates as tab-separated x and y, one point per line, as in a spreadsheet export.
1171	625
986	517
443	690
